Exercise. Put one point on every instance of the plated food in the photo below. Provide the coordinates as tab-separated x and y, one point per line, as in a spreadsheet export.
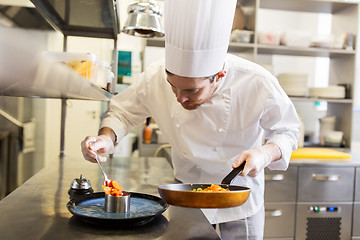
113	188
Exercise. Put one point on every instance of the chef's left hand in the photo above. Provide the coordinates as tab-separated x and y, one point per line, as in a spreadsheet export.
256	160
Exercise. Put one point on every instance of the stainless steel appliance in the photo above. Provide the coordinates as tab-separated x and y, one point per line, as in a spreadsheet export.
328	221
325	203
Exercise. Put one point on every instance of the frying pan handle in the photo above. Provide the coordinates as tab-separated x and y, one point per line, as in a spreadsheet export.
236	171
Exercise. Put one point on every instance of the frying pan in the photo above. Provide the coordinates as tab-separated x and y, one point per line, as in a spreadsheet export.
183	195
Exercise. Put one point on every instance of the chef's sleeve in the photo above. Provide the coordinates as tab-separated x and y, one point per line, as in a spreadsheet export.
126	109
280	123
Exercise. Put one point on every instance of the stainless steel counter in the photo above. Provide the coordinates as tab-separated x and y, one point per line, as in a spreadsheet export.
37	209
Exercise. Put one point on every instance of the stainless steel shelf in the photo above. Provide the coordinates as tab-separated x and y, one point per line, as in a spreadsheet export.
87	91
315	6
300	51
61	83
274	50
25	72
241	47
329	100
91	18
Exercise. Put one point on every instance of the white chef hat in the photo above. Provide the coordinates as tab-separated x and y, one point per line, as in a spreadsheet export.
197	35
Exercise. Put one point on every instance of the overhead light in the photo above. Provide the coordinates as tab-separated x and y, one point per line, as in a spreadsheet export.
144	19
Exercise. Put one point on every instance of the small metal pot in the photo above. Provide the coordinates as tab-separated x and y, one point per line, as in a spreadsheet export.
79	187
115	204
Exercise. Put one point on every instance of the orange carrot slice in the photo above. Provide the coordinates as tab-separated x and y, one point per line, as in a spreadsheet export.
116	185
113	187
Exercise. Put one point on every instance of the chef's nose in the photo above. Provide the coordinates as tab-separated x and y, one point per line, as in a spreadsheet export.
181	97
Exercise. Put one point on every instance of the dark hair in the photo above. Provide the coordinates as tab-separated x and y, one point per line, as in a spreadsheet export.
211	78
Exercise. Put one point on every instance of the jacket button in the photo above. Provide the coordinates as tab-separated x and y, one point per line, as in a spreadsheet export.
177	125
220	130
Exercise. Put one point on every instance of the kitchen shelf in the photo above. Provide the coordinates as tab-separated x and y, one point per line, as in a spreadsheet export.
241	47
274	50
28	73
74	87
91	18
301	51
311	99
87	91
315	6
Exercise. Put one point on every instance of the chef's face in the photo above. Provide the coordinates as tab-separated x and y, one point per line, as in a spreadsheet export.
191	93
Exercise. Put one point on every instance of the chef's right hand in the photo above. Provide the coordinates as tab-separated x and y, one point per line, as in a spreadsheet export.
101	145
256	160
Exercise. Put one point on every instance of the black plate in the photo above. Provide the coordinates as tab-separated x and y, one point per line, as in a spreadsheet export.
143	209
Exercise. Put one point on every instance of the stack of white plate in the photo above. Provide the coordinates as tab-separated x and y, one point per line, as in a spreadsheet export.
296	38
294	84
333	91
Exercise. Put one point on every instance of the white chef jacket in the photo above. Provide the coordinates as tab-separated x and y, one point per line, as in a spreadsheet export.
248	104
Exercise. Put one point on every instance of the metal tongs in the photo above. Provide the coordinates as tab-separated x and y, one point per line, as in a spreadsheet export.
100	166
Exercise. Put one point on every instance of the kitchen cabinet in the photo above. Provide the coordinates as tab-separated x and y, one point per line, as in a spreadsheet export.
280	186
279	221
280	203
342	62
326	184
325	202
313	199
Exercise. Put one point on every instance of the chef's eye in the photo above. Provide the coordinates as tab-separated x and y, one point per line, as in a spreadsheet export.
192	90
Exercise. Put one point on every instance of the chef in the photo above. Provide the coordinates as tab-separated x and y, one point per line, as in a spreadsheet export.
216	110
